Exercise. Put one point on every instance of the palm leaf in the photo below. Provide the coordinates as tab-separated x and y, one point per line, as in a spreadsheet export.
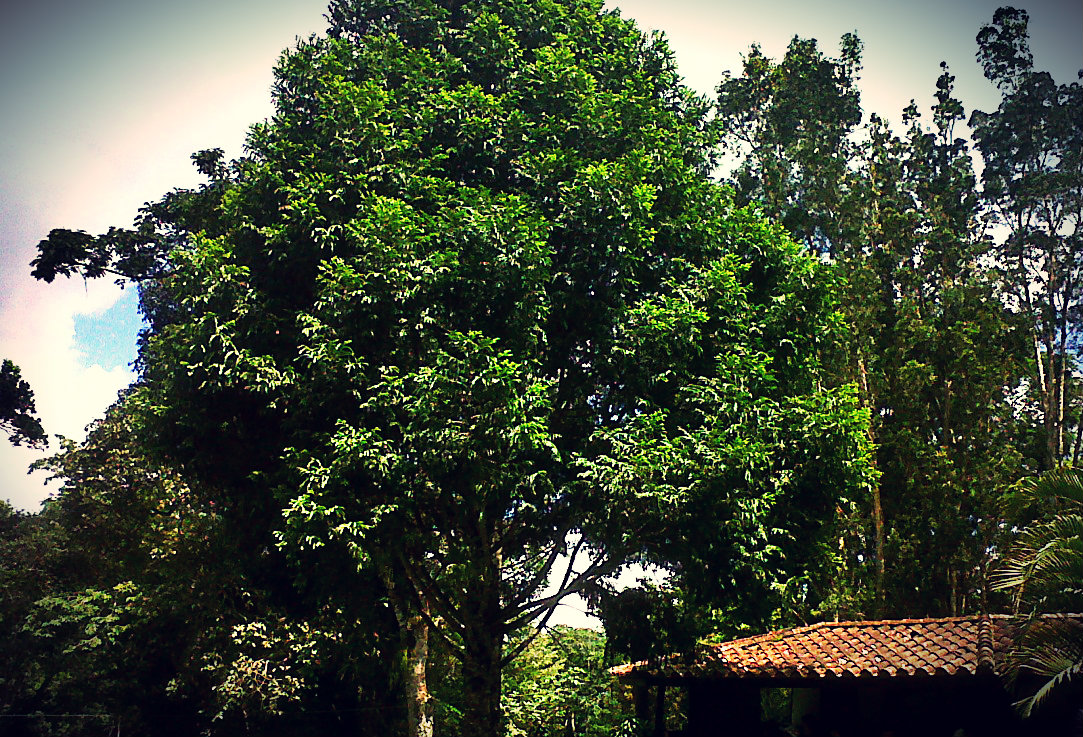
1050	647
1044	568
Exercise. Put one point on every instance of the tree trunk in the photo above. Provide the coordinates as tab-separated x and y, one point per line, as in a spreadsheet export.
877	509
641	697
1048	390
483	636
878	531
414	628
481	678
1078	441
419	707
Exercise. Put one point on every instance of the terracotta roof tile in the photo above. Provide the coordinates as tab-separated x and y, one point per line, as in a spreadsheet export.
869	649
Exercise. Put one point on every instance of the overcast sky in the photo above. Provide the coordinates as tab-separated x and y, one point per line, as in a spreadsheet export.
104	100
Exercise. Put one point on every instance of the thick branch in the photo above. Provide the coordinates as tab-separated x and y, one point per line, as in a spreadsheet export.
603	567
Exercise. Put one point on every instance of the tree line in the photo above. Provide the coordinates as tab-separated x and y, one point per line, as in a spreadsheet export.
492	291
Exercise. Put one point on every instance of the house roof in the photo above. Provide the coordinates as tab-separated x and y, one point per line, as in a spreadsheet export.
870	649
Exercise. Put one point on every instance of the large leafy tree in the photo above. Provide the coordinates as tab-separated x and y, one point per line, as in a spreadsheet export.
471	303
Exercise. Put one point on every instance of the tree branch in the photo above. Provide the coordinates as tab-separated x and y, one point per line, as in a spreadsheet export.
603	567
540	575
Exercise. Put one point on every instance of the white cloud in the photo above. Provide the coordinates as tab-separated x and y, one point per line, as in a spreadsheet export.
37	331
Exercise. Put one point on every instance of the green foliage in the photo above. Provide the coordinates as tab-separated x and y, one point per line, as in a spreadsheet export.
941	359
269	668
130	596
790	124
560	686
931	345
94	624
650	621
137	254
33	561
1043	565
473	292
472	302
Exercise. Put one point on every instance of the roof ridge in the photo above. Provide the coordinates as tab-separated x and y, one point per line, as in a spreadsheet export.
802	629
907	620
853	649
985	645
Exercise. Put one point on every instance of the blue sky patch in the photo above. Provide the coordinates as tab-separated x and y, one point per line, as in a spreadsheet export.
108	338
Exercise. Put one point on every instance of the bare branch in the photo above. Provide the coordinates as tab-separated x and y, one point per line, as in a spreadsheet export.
600	569
540	575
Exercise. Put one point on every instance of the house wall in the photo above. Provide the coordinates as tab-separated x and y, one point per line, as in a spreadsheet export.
734	708
923	707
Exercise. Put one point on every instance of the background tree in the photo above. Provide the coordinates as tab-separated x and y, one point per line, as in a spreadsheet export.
788	124
929	343
1032	148
560	685
129	596
17	408
943	351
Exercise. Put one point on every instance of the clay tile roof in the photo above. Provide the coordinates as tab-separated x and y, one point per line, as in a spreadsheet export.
869	649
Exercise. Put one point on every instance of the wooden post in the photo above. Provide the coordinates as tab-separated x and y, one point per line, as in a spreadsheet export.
660	712
641	699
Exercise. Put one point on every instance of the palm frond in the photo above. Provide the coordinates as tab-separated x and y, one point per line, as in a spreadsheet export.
1044	568
1063	485
1058	667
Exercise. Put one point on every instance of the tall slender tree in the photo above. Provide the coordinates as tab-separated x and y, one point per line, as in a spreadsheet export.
930	346
947	351
789	125
473	302
1032	148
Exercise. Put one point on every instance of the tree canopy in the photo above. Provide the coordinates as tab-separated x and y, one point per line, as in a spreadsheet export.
473	292
1032	147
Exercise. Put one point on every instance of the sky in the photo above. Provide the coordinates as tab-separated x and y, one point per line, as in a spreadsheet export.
104	101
